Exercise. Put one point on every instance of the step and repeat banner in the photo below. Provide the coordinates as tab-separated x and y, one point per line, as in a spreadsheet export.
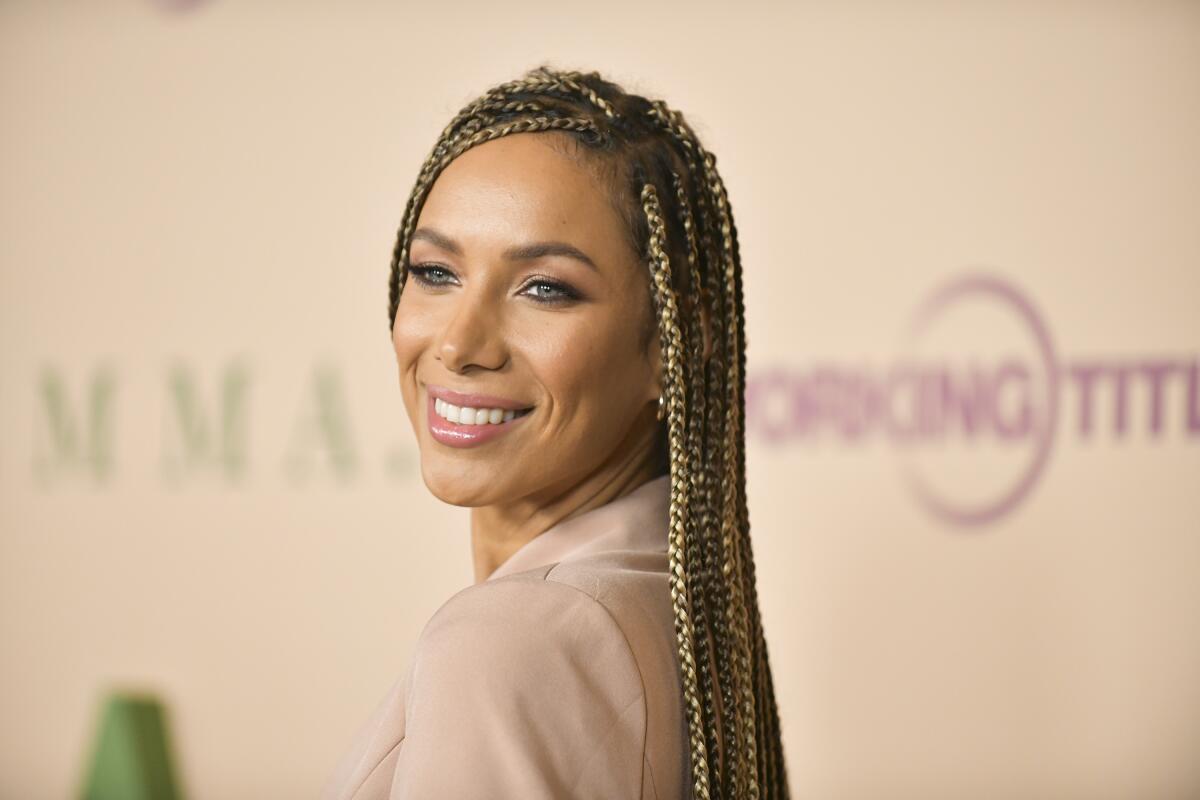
971	239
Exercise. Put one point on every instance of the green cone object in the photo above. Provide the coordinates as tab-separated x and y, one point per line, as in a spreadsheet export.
131	756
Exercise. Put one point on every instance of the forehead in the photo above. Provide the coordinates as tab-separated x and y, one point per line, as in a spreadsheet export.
520	187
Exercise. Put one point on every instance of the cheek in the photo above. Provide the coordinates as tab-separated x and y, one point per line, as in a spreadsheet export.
404	341
590	368
411	335
411	331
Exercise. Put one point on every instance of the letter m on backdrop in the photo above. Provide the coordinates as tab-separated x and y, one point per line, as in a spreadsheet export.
73	438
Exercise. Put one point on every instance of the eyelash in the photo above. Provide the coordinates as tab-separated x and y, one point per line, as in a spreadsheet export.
566	293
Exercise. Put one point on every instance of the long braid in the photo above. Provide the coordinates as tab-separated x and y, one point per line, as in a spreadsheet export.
734	725
746	730
717	590
680	483
681	224
744	682
735	543
709	610
772	764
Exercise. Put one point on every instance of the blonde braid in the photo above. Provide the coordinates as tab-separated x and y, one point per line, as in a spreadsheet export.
713	603
716	591
679	213
731	519
764	682
672	349
742	726
707	602
734	524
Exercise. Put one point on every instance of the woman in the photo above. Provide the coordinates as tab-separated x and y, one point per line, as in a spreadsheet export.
566	311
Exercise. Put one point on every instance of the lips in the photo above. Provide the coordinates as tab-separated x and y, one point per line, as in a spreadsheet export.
473	400
457	434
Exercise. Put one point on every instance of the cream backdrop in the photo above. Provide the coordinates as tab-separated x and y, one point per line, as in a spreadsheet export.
971	235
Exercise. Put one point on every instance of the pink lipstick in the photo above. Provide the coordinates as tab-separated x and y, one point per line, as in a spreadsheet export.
457	434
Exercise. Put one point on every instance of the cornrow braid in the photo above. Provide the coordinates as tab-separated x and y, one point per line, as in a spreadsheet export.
666	187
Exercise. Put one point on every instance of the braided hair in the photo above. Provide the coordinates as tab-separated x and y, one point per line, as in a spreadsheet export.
667	189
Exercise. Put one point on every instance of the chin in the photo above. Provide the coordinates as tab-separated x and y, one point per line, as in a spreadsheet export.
458	486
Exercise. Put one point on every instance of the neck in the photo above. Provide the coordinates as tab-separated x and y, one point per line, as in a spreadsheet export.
498	531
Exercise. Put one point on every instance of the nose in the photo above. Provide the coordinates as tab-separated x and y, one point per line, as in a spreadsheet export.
472	336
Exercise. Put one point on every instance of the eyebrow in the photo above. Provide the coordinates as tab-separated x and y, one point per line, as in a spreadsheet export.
522	252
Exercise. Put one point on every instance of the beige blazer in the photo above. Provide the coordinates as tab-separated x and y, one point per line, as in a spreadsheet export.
557	677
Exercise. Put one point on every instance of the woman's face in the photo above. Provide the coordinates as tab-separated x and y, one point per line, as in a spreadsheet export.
524	303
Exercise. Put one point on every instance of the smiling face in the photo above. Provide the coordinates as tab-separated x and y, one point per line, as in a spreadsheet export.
525	303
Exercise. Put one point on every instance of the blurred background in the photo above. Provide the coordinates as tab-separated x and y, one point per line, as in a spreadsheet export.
971	239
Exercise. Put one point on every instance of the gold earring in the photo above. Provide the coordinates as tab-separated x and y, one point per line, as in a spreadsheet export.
662	407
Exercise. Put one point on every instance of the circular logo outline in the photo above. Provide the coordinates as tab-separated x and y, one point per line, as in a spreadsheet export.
995	288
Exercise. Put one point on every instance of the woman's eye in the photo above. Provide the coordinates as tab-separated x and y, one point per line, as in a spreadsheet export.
543	291
431	274
550	292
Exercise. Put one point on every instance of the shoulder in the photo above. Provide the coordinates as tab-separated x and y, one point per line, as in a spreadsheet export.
614	602
535	684
528	630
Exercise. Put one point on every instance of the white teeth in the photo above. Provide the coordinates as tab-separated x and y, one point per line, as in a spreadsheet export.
472	416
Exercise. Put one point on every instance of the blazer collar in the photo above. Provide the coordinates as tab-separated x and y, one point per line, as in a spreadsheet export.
635	521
